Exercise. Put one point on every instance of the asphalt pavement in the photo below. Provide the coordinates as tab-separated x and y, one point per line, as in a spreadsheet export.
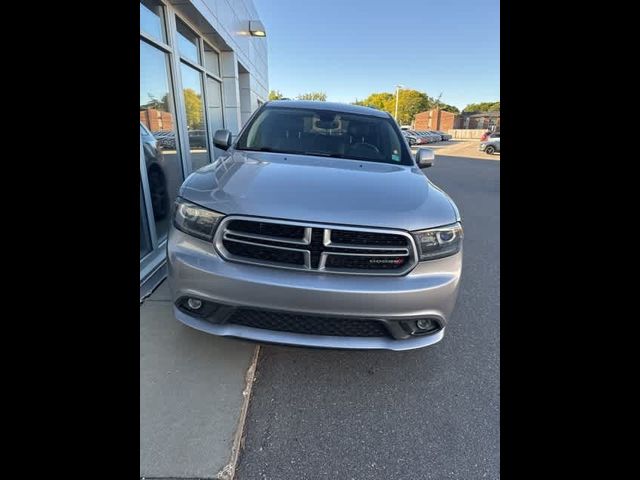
431	413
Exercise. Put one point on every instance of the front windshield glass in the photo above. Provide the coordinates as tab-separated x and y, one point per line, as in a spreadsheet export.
325	133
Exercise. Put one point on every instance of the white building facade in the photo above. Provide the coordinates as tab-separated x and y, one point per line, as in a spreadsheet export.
203	67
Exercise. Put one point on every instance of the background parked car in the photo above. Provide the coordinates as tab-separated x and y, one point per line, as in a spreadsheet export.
411	139
431	138
164	172
445	136
436	135
491	145
489	134
166	140
157	180
420	140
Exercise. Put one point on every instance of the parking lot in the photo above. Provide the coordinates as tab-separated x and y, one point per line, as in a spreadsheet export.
431	413
459	148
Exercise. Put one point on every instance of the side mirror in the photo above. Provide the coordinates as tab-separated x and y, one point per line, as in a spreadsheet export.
222	139
425	157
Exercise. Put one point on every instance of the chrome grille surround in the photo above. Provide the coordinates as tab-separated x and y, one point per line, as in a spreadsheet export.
303	246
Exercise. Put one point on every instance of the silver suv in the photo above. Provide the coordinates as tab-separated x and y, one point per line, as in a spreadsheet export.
317	227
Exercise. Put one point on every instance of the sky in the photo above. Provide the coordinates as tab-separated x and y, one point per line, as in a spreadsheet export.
352	48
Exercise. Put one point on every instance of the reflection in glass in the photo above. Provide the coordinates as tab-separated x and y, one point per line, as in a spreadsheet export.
145	238
211	60
187	42
194	108
214	106
152	19
157	133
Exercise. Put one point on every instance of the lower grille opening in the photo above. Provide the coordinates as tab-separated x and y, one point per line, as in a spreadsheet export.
366	263
308	324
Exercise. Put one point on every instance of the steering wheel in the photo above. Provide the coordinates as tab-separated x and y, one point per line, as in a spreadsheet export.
367	146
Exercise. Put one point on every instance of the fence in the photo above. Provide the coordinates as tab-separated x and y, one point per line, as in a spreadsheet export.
468	134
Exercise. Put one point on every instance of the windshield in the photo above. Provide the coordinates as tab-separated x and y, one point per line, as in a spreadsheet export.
325	133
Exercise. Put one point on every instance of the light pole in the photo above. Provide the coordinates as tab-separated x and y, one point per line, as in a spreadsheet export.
398	87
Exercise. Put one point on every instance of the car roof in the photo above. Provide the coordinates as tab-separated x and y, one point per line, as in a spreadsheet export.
335	106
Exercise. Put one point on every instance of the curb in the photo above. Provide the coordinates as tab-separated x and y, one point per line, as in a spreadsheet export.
229	471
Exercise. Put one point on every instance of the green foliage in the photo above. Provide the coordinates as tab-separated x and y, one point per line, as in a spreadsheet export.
193	105
449	108
162	104
318	96
410	102
275	95
483	107
381	101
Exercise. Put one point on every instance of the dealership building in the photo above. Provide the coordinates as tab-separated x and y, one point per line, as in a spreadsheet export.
203	67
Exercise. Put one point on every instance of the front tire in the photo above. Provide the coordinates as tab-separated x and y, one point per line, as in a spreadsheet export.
489	150
159	194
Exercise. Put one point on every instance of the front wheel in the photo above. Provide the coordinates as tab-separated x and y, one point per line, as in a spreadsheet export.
159	194
490	150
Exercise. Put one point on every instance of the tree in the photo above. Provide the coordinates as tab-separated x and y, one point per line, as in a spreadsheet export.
319	96
483	107
193	105
162	104
449	108
410	102
275	95
381	101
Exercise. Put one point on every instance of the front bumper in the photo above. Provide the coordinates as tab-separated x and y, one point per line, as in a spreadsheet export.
429	290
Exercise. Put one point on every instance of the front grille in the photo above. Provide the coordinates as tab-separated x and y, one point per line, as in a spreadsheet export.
368	238
264	253
308	324
317	248
268	229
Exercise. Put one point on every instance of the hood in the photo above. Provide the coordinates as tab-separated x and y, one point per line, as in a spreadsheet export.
319	189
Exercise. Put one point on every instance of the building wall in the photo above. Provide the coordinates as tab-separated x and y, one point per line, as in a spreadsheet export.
156	120
230	19
475	122
200	70
434	119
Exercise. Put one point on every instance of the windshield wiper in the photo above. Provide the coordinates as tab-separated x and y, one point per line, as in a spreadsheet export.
323	154
268	149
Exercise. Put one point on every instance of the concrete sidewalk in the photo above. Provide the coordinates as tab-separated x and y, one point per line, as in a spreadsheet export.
191	395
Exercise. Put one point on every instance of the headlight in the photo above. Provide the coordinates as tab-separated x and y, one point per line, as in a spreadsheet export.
194	220
438	242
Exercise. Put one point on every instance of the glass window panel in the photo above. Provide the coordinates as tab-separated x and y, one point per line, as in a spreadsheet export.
194	108
211	60
152	19
214	105
187	42
158	135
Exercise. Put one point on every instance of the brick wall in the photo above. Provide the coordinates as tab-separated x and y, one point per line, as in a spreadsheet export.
156	120
434	120
447	119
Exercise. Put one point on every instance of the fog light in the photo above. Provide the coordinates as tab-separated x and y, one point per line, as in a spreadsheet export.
424	324
194	303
